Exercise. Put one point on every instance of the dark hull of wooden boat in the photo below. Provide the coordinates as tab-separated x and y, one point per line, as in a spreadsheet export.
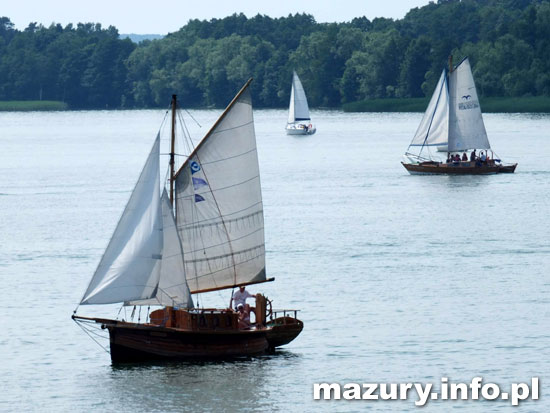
507	169
459	168
138	342
283	330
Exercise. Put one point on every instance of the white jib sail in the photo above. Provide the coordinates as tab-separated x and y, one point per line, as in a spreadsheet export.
219	209
298	109
130	267
172	287
434	127
466	127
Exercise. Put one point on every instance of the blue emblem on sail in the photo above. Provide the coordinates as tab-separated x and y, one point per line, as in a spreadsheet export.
198	182
195	167
198	198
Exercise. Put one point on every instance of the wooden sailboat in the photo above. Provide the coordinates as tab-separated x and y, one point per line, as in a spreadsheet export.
299	120
453	119
206	234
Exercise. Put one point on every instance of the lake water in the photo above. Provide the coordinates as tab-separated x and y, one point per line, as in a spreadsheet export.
399	278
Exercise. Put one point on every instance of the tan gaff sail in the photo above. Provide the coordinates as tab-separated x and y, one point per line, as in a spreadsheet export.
130	267
219	209
466	127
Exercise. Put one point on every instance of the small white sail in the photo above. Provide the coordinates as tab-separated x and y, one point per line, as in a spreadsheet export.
130	267
172	287
298	109
219	209
434	127
466	127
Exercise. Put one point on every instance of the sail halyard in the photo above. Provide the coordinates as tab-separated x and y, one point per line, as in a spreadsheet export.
219	209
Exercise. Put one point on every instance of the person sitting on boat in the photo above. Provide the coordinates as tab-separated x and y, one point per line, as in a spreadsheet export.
457	158
464	157
473	156
239	297
483	157
244	316
449	157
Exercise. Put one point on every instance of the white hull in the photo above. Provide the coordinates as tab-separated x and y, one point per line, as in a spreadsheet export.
300	129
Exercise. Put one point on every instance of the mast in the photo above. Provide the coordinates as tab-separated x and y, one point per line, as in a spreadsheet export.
172	149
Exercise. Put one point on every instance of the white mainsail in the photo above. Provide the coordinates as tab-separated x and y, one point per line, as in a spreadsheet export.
434	127
298	109
172	287
466	127
130	267
219	209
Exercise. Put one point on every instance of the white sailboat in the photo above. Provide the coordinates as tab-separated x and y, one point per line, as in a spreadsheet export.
453	122
206	234
299	120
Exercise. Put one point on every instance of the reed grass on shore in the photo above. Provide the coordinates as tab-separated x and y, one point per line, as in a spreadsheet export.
535	104
31	105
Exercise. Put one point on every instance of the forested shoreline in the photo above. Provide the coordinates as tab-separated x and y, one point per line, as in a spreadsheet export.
205	62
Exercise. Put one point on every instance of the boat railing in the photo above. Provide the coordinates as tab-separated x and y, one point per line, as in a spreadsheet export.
285	313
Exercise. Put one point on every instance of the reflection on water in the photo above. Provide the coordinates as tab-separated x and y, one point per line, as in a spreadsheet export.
207	386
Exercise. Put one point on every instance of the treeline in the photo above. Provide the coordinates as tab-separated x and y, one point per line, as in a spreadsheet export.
206	62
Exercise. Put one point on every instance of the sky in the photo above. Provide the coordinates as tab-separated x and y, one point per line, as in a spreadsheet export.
157	17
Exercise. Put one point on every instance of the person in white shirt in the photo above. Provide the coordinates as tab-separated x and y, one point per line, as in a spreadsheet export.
239	297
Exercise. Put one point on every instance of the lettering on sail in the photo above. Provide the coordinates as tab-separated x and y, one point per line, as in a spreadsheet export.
467	103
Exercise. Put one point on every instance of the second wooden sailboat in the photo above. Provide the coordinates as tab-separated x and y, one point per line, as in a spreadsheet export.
453	118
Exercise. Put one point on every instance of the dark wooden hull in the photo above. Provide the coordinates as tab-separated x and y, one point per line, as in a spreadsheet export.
143	342
283	330
458	168
183	335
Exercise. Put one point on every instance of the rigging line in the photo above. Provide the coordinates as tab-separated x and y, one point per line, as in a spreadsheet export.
232	157
234	239
433	114
163	120
186	134
165	178
197	224
89	335
233	128
219	257
225	268
186	111
93	329
226	187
